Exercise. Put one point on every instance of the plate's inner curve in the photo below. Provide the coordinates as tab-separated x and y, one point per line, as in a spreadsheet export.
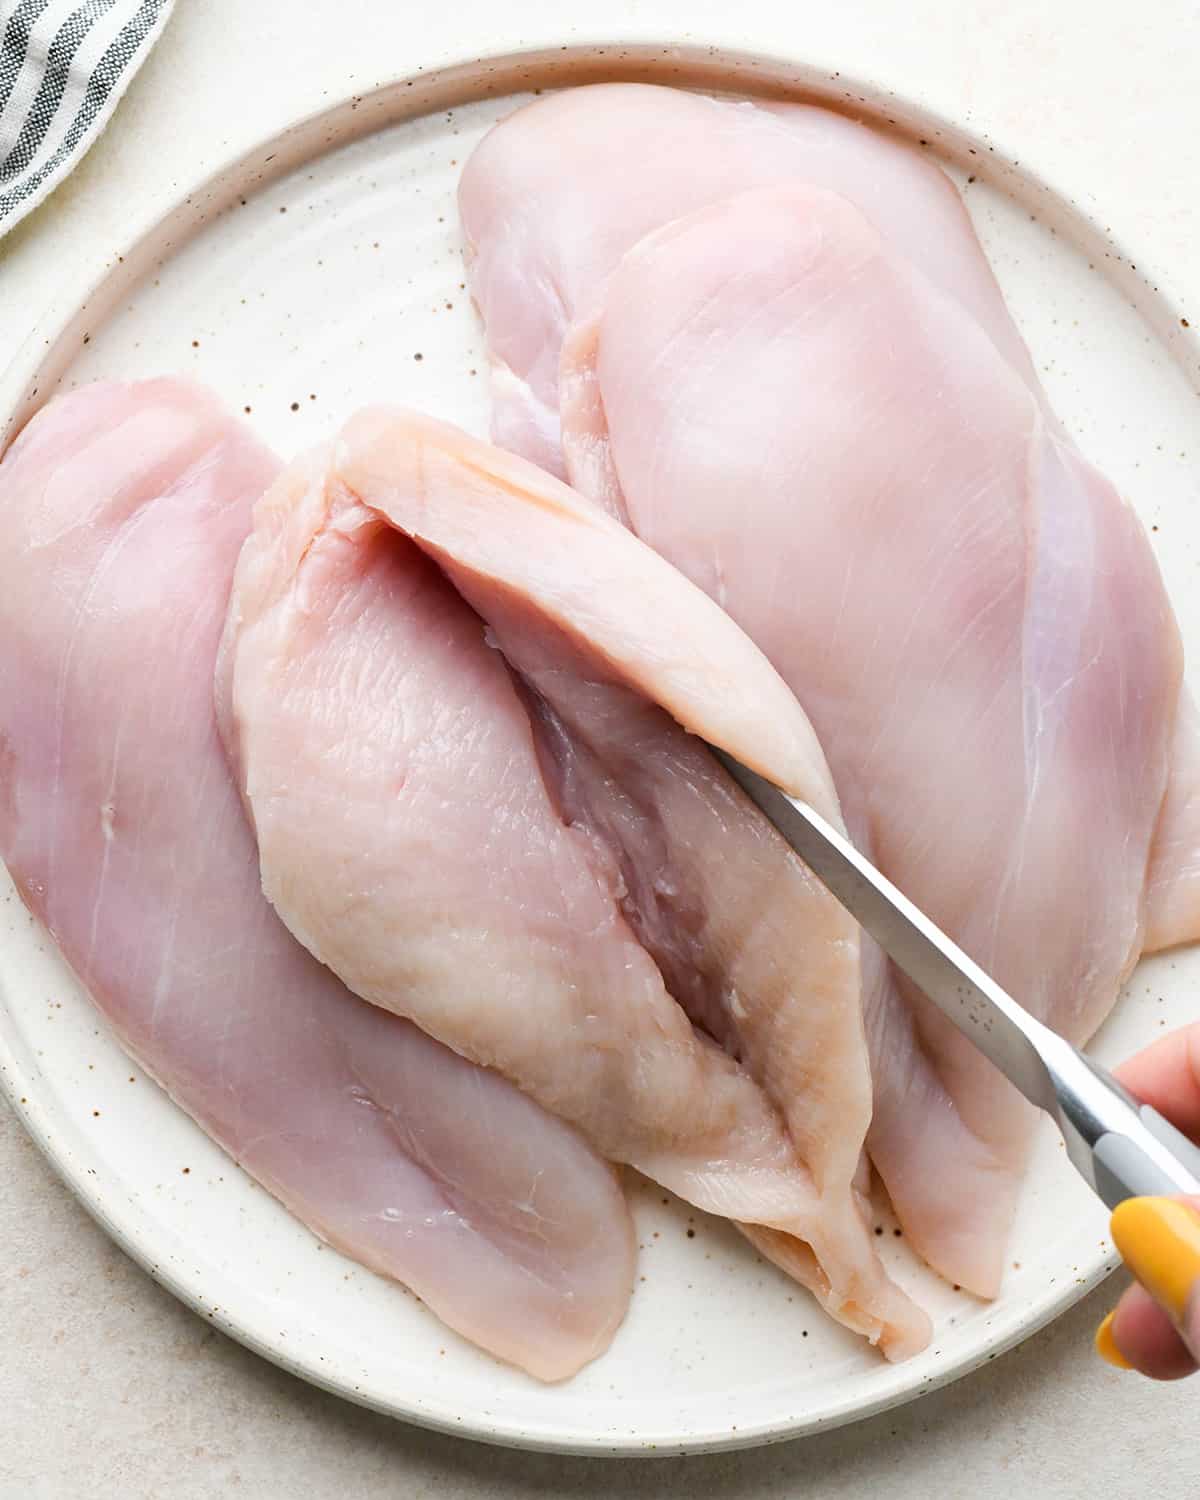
342	283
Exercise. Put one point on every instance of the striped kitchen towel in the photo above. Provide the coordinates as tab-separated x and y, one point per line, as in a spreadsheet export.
63	66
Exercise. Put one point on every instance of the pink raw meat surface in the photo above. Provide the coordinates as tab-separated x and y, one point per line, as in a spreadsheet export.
819	409
971	615
554	196
505	835
123	509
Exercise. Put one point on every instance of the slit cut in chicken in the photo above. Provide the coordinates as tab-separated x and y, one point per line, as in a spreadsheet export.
456	699
929	565
788	368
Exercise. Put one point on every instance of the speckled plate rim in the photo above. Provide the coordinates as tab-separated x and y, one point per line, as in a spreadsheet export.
443	83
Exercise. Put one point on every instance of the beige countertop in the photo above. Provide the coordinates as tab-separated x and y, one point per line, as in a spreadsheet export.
108	1387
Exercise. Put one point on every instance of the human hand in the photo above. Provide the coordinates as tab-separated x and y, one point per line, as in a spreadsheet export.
1155	1327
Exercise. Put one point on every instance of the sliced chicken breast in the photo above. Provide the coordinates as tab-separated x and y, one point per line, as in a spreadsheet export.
521	849
123	510
790	411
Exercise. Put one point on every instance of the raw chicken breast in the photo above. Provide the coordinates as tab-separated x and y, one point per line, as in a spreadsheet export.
556	194
791	412
531	860
123	509
1173	893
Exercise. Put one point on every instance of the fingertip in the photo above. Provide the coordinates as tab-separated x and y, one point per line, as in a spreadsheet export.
1106	1345
1159	1240
1146	1338
1167	1075
1190	1327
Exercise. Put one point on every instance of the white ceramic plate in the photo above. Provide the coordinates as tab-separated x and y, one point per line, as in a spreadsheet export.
299	282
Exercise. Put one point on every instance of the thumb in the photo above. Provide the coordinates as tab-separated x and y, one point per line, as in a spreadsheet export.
1159	1240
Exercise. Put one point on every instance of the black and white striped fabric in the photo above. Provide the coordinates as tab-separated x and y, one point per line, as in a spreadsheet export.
63	66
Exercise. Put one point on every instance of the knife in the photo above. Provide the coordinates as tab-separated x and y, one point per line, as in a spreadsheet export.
1121	1148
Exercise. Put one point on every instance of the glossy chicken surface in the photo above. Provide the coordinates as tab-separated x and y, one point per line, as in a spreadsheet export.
809	403
555	195
504	834
123	509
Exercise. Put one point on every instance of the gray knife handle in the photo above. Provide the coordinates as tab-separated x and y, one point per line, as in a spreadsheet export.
1123	1170
1180	1147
